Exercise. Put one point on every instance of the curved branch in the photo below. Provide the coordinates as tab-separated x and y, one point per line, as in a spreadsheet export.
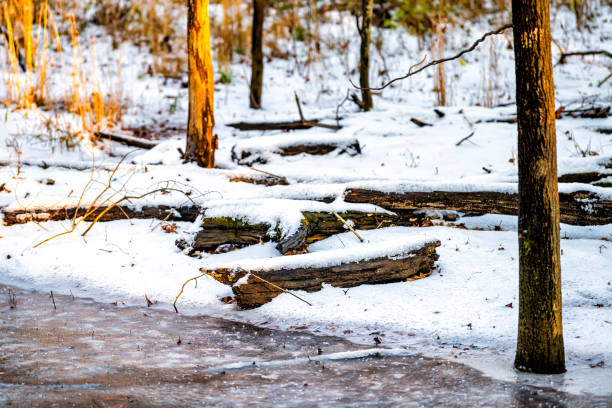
440	61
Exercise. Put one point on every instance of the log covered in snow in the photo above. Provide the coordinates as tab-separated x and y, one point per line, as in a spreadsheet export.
579	207
262	149
314	227
256	282
18	215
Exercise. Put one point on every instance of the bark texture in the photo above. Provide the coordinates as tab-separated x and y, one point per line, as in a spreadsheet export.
254	292
365	32
257	54
577	208
201	144
540	332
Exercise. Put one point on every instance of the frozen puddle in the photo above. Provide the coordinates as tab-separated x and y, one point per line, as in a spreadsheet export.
90	353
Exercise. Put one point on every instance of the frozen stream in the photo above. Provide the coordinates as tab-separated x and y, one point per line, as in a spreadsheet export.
94	354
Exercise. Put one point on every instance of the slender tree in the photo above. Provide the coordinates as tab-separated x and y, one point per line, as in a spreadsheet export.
257	54
540	332
365	32
201	144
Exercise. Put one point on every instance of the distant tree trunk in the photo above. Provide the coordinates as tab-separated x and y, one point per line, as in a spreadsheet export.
540	332
201	144
365	32
257	54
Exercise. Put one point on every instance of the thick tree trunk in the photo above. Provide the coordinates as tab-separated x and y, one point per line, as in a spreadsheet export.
540	333
365	31
201	144
257	54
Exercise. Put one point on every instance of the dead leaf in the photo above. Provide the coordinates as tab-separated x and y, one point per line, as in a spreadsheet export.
169	228
600	364
149	303
509	305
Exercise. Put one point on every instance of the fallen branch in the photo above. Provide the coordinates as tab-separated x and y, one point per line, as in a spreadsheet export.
464	139
127	139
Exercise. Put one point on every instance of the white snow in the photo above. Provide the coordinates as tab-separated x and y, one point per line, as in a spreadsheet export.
462	311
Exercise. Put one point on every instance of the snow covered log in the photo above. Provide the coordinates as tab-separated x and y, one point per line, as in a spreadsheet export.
262	149
577	207
315	226
41	214
262	126
376	263
128	139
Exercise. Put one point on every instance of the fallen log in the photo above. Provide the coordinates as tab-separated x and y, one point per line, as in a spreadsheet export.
256	283
127	139
162	212
249	152
262	126
315	226
577	208
594	112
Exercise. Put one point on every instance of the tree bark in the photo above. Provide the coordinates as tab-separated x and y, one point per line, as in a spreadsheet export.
257	54
540	333
365	31
201	144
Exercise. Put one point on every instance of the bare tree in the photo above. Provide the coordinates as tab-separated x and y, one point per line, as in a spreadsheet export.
201	144
540	332
257	64
365	32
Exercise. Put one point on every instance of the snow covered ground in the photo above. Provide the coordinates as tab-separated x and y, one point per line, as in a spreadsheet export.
466	310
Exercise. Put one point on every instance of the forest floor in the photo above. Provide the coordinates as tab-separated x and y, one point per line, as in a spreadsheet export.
83	352
465	312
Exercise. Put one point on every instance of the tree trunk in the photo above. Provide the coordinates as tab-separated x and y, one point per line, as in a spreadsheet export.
257	54
365	31
540	333
201	144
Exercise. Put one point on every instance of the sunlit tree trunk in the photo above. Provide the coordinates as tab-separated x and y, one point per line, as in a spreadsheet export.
257	54
201	144
365	32
540	332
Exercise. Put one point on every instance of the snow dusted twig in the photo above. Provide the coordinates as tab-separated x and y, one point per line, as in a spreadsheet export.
347	225
439	61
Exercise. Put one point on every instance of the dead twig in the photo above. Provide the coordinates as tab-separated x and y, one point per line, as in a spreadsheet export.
347	225
464	139
439	61
279	288
195	278
53	299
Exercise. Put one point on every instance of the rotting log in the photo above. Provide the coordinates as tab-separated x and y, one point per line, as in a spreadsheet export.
255	292
246	156
577	208
161	212
286	126
315	226
260	179
127	139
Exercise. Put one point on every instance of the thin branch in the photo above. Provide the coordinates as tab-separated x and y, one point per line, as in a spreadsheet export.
563	57
464	139
299	106
347	225
195	278
439	61
279	288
